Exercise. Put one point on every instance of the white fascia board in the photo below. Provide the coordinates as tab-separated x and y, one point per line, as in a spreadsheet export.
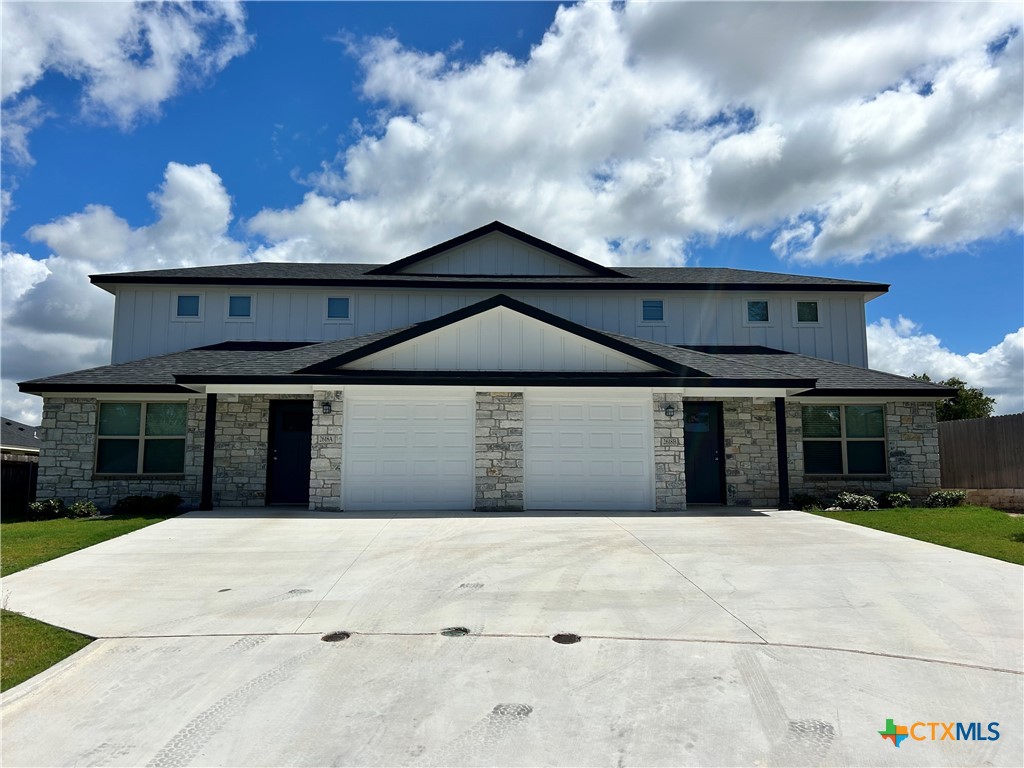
420	392
712	392
126	397
258	389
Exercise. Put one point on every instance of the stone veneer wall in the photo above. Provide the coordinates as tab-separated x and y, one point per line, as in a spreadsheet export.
912	435
325	452
68	453
499	451
669	464
751	455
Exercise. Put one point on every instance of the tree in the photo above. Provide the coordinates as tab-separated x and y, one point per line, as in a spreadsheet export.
967	403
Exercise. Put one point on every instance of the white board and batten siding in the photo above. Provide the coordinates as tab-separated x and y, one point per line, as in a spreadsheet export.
412	451
588	451
496	254
500	339
144	326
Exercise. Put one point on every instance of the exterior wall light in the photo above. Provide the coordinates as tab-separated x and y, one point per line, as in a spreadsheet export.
325	406
670	410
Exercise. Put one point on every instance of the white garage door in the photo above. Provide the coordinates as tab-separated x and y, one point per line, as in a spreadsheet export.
408	453
587	453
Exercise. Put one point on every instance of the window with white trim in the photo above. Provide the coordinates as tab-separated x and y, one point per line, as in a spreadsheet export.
806	313
337	308
652	311
188	306
141	438
757	312
240	307
844	439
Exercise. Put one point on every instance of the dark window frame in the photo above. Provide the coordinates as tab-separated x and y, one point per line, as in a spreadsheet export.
141	438
844	440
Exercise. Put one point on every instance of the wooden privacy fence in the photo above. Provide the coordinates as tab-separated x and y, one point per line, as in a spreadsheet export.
983	453
17	487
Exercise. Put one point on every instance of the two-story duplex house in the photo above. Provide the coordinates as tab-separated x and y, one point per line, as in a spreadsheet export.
492	371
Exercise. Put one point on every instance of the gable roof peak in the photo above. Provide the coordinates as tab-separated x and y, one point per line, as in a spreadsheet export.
590	268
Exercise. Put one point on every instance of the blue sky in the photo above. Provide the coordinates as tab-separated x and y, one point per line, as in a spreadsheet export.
719	136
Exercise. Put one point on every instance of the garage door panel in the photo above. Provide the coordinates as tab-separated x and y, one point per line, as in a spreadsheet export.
591	455
401	455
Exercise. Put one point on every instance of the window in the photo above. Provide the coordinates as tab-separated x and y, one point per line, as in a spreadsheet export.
807	311
141	438
652	311
189	306
240	307
844	439
757	311
337	308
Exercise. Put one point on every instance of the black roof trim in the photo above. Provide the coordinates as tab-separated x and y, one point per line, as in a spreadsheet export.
739	349
496	226
32	388
901	393
541	283
503	378
256	346
501	300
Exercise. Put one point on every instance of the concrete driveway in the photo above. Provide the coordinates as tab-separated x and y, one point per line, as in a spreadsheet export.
775	639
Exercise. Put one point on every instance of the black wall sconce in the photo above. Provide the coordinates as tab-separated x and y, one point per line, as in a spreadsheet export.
325	406
670	410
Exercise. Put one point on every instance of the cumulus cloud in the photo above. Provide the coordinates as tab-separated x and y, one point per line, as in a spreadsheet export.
901	347
844	131
54	320
129	57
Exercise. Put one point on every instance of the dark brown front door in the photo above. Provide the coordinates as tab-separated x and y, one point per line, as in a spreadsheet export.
703	449
291	430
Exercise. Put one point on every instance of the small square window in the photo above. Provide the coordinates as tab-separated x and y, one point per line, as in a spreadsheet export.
188	306
757	311
653	310
807	311
240	306
337	308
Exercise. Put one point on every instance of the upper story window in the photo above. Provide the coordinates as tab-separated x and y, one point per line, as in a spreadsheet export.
188	306
337	308
239	307
757	311
141	438
844	439
807	312
652	311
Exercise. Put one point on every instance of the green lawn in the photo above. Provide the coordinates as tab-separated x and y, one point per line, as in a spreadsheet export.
23	545
981	530
29	646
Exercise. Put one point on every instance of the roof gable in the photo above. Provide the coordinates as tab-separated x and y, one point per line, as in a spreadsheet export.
499	334
498	250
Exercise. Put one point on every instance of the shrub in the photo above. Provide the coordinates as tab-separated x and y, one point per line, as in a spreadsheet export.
893	500
946	499
133	505
803	501
168	502
82	508
46	509
856	501
140	505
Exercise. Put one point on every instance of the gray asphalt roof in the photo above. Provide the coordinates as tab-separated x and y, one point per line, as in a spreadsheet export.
14	434
285	273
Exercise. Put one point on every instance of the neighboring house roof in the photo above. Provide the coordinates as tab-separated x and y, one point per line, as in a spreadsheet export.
17	436
396	274
324	364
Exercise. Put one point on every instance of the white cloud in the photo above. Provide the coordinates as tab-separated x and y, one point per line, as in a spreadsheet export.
54	320
902	348
129	57
852	131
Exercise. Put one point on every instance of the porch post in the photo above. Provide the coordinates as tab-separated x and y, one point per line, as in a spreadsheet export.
209	441
783	448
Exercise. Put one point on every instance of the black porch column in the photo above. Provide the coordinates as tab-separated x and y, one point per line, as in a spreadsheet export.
209	440
780	439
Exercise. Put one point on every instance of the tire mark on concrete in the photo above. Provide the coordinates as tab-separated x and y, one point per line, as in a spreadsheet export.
474	744
186	743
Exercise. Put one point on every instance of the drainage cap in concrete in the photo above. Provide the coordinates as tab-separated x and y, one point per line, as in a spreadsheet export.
565	638
335	637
